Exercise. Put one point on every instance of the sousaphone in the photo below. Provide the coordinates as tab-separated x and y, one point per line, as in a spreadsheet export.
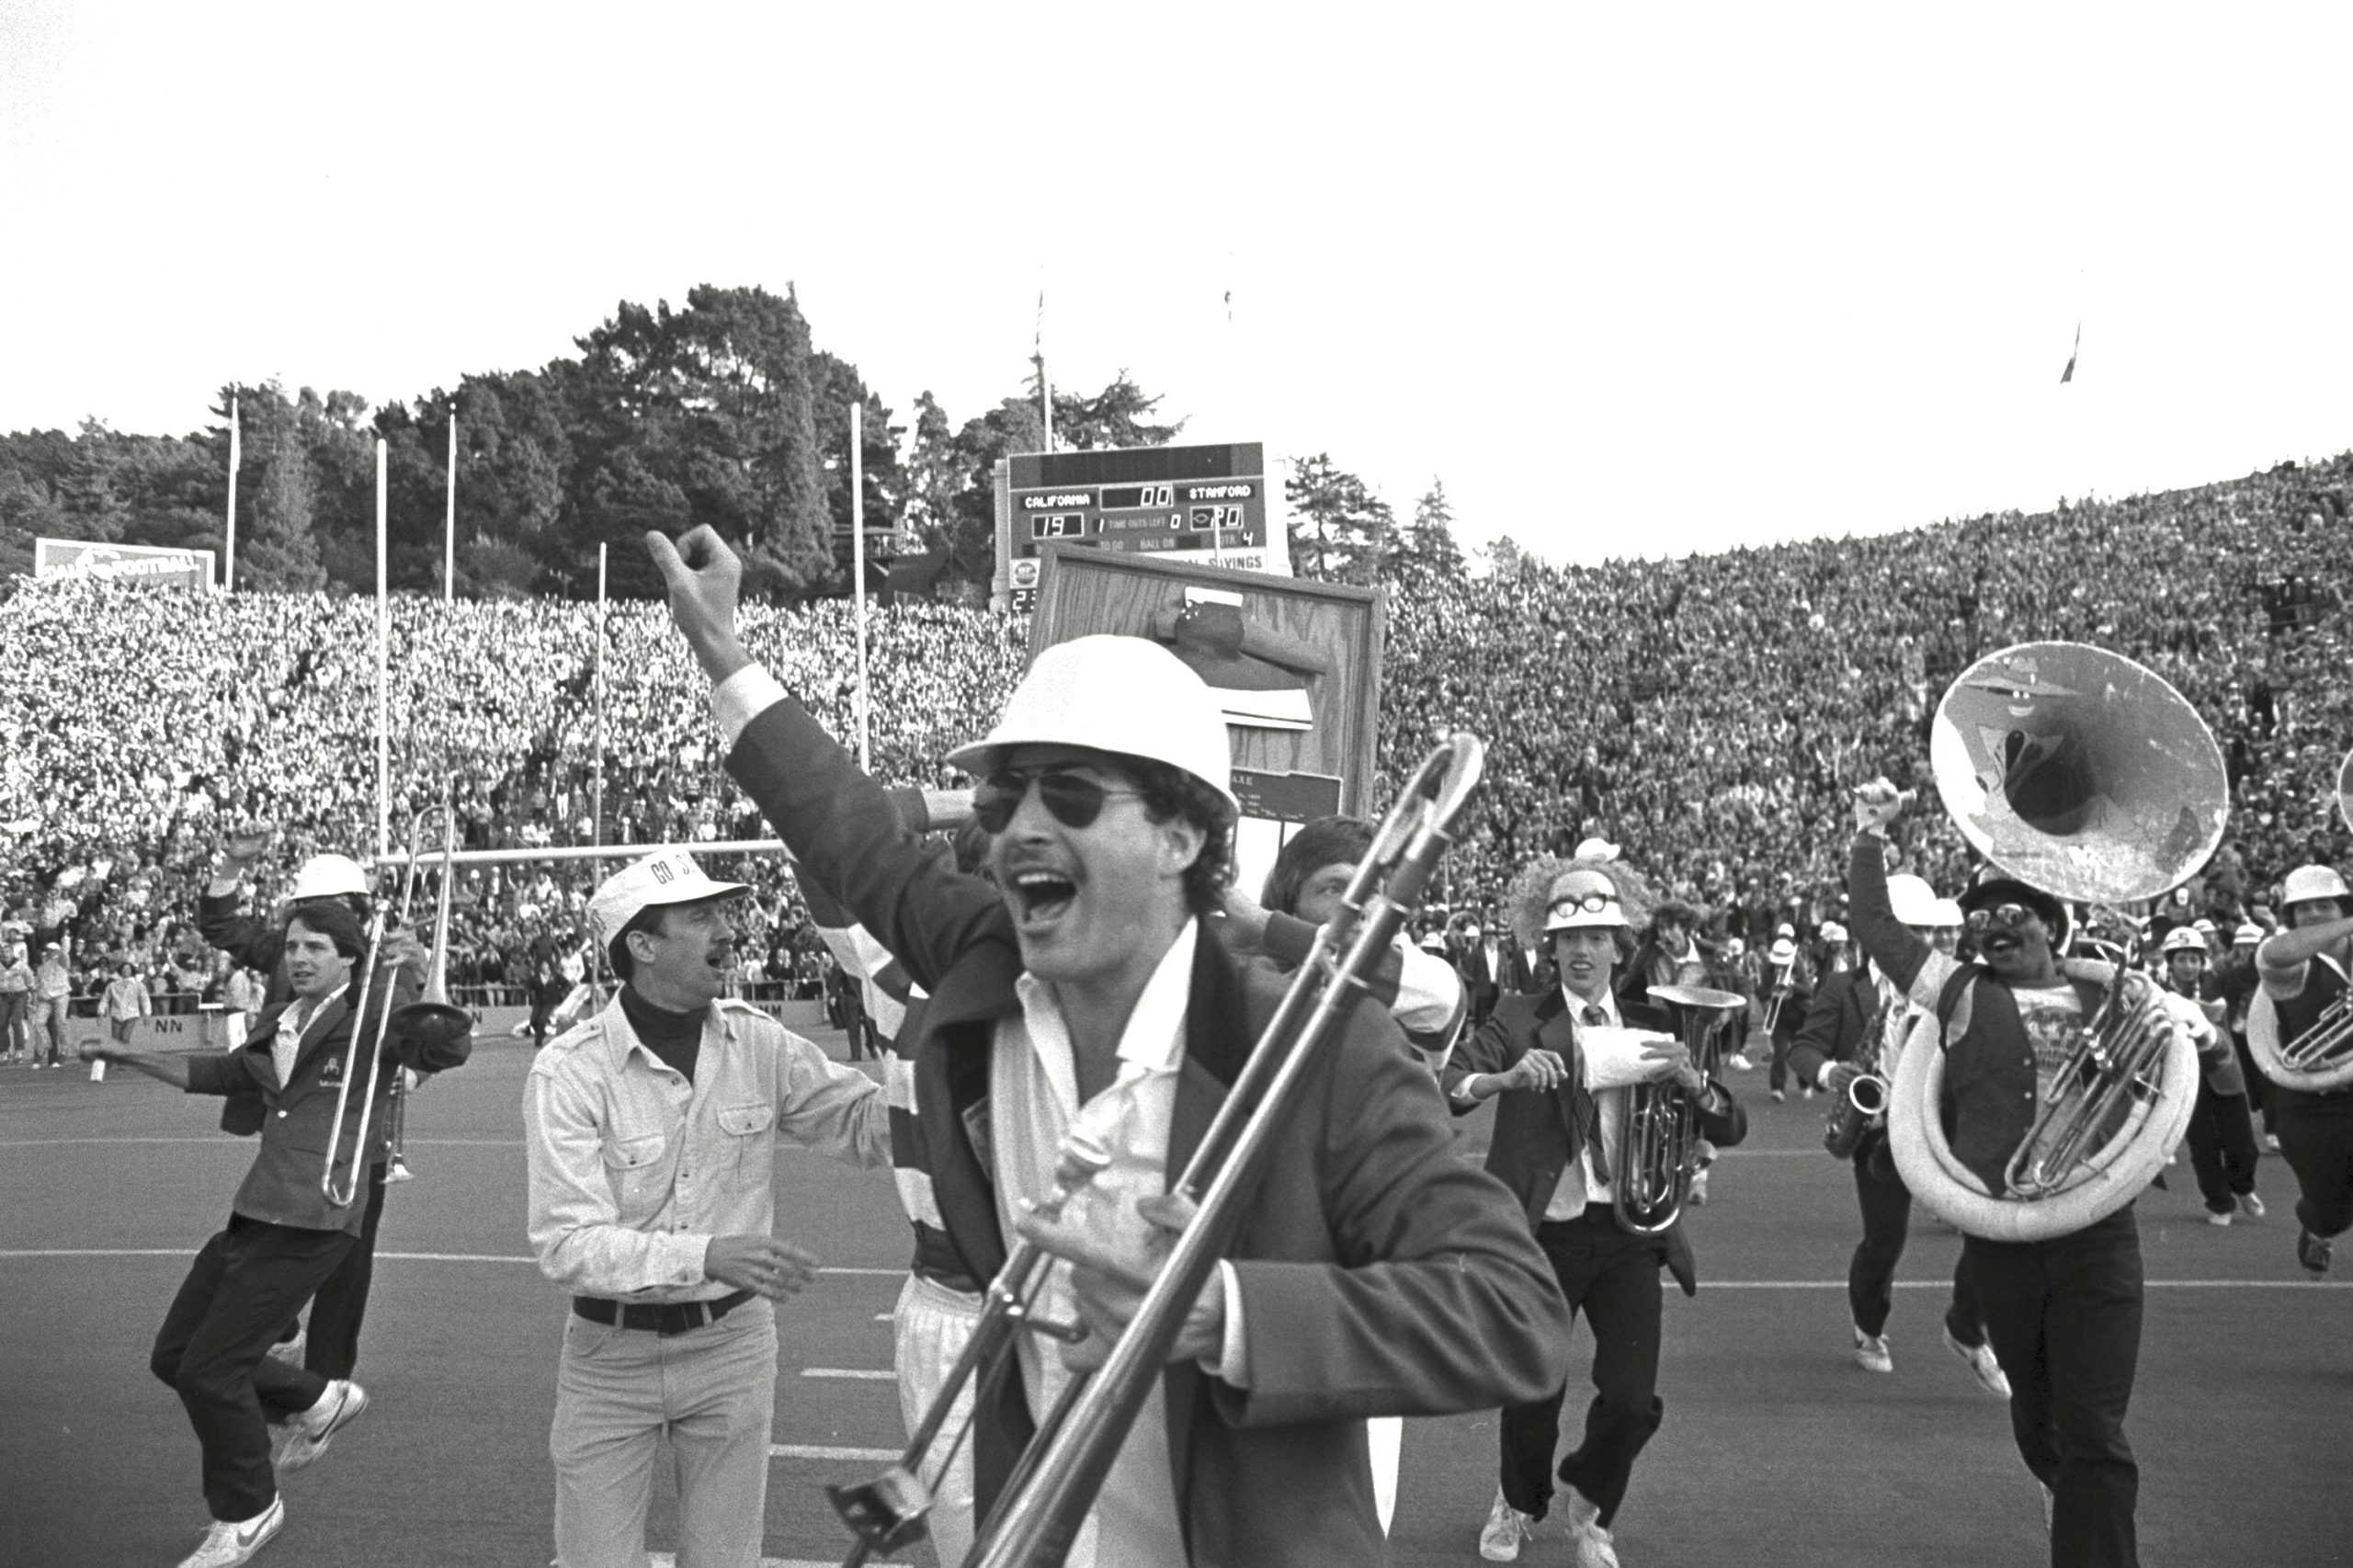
2079	771
2322	1057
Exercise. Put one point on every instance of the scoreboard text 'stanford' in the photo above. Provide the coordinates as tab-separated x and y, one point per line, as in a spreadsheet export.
1211	501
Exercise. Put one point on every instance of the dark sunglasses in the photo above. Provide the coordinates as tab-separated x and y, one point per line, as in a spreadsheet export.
1074	800
2009	916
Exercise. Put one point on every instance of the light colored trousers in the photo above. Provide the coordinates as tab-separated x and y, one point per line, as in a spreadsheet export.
931	1325
618	1391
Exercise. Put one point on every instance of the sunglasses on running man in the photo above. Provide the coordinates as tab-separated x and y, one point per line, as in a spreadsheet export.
1074	799
2008	916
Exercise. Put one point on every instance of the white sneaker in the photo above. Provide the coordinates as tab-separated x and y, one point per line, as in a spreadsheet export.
1871	1353
227	1544
2250	1206
2271	1142
1741	1063
1984	1365
1507	1528
2219	1221
308	1434
1594	1547
1698	1196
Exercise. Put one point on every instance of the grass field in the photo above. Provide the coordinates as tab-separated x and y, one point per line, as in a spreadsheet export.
1775	1450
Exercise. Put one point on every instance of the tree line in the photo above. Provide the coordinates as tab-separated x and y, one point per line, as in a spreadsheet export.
723	411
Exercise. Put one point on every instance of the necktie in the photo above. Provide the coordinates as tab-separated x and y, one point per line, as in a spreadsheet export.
1582	1109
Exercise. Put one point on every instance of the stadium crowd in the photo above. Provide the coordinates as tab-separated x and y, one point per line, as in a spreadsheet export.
1710	710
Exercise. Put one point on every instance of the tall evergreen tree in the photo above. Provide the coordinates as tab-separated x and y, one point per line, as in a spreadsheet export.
281	553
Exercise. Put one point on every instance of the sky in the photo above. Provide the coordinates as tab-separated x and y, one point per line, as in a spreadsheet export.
1627	279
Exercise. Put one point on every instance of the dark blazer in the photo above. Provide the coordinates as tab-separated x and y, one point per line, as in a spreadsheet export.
1379	1275
1529	1148
1837	1025
297	1115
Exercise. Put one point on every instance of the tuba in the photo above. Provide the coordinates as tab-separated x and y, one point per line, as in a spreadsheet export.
1658	1134
2321	1057
2079	771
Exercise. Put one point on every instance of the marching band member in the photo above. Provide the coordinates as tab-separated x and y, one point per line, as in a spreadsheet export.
653	1133
1789	993
1378	1275
2222	1138
2237	982
2064	1314
1856	1026
284	1237
2303	969
1555	1138
330	1347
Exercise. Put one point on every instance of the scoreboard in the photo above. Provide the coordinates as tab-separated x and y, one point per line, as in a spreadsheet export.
1210	503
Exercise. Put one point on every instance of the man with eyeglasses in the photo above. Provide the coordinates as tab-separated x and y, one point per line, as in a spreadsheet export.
2064	1314
1078	989
1555	1134
2303	971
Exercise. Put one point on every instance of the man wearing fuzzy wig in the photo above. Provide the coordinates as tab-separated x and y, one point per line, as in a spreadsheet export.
1555	1137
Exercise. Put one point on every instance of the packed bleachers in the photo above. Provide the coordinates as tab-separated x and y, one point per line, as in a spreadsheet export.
1706	713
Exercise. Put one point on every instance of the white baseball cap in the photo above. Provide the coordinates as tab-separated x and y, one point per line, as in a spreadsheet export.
1125	695
667	876
328	876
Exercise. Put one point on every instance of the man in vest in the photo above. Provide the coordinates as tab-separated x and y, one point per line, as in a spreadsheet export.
2303	969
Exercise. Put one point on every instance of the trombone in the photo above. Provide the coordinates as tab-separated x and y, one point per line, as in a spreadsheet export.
431	1018
1062	1469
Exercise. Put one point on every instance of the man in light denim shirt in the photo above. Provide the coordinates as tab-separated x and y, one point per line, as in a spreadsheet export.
653	1132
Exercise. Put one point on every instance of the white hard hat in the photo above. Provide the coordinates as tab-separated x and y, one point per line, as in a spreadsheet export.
1597	848
1833	933
1783	950
1913	901
1583	898
1125	695
328	876
2249	932
667	876
1948	912
2312	882
2183	939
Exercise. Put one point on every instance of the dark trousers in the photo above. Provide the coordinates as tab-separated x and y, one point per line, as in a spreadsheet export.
1785	1033
213	1349
12	1013
2316	1140
2259	1089
2221	1149
2064	1317
1612	1279
1886	1205
333	1349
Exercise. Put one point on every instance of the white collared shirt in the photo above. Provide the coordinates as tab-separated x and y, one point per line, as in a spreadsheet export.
292	1024
1033	1102
1581	1185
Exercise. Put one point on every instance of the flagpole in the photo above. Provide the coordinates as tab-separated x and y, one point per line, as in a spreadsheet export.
383	666
857	575
597	775
1045	387
450	520
229	581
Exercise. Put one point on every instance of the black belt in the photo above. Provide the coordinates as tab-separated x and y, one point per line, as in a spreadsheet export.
665	1318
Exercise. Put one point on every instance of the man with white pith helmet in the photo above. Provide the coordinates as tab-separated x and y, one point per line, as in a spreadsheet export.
2303	969
653	1131
1856	1025
1079	989
2222	1138
330	1347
